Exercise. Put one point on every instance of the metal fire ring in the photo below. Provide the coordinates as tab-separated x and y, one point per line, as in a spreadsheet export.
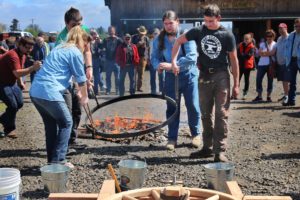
136	133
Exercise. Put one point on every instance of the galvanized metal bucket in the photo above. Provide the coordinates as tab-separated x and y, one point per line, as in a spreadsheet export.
217	174
132	174
55	178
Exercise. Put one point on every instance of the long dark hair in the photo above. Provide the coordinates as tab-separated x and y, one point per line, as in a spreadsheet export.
171	15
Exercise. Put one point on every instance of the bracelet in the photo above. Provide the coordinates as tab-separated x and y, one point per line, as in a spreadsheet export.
89	66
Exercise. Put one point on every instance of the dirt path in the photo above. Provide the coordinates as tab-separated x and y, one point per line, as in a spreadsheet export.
264	145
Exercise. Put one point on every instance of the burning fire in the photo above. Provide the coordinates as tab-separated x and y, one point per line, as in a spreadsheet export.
117	124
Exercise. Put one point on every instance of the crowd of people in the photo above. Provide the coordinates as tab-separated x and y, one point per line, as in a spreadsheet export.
199	61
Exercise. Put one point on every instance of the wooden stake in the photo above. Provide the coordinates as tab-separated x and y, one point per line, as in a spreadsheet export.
112	173
215	197
126	197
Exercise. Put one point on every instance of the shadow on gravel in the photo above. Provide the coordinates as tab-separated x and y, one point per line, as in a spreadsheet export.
293	115
281	156
36	194
40	153
294	195
26	170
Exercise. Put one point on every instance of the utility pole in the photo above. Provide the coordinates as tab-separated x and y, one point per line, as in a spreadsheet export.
32	23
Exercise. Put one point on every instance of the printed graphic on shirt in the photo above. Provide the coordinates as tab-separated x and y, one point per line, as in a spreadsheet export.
211	46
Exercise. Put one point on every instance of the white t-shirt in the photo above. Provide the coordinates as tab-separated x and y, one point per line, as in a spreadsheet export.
265	60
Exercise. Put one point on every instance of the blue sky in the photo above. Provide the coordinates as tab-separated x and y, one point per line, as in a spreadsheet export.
49	14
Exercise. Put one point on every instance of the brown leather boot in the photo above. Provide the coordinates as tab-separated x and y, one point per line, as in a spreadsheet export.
203	153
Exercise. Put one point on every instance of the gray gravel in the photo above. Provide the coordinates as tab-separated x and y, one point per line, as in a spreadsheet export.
264	145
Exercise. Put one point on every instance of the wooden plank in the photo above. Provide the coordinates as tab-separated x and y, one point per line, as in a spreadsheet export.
215	197
75	196
233	189
267	198
108	189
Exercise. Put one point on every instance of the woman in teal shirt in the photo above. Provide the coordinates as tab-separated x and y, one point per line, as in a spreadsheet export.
63	63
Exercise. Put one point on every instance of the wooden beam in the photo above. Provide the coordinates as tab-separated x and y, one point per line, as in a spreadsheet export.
267	198
233	189
108	189
74	196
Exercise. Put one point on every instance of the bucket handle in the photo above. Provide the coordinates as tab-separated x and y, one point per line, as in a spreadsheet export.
136	156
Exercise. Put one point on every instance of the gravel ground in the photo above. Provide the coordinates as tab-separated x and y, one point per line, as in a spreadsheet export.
264	145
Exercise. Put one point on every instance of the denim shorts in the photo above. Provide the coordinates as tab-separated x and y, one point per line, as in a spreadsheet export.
283	73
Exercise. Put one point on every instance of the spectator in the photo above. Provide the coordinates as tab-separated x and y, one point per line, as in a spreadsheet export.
11	72
161	76
264	65
283	72
46	92
292	61
142	42
39	52
187	78
110	45
3	46
246	51
52	40
127	58
97	65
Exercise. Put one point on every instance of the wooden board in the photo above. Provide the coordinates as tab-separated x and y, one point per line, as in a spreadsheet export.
267	198
74	196
108	189
233	189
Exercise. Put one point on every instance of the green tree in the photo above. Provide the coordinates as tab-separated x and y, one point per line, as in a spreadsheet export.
34	29
101	31
2	27
15	25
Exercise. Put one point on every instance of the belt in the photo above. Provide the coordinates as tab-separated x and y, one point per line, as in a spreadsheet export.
294	58
213	70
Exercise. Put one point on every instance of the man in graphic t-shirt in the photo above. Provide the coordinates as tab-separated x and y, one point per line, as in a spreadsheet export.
215	44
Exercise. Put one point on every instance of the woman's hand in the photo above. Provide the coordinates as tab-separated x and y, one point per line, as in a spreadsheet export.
164	66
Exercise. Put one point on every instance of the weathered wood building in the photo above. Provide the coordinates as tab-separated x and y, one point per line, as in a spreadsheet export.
246	15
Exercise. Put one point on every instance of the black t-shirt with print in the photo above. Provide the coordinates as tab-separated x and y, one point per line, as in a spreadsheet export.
110	44
212	45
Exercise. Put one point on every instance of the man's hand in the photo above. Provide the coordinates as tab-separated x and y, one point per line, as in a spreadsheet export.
235	91
164	66
89	84
22	85
36	65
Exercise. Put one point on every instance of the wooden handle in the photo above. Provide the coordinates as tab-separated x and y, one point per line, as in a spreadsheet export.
113	175
155	195
215	197
126	197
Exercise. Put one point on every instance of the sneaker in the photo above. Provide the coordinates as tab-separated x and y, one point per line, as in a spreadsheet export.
289	104
269	99
281	99
12	134
71	151
220	157
203	153
171	145
107	93
196	141
244	95
285	99
257	99
70	165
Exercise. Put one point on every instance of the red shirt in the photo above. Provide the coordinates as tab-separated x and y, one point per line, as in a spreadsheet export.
9	62
121	55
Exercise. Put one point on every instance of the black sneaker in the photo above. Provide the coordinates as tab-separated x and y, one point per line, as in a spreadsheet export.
289	104
203	153
269	100
257	99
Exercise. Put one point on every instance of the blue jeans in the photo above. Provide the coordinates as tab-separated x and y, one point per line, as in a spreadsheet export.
112	66
161	79
58	123
13	99
188	87
293	81
130	70
261	71
97	70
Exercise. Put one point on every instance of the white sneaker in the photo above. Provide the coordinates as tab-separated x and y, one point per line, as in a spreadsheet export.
196	141
70	165
285	99
171	145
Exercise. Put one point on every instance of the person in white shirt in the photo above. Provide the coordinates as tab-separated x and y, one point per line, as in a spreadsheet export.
264	66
